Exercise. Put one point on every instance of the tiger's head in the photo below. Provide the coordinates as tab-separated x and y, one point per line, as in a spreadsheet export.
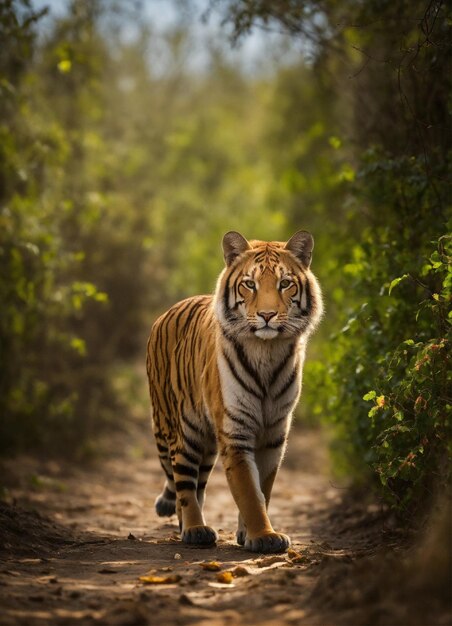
267	289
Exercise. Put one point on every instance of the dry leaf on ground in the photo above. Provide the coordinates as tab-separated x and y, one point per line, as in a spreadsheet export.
160	580
225	577
297	557
211	566
240	571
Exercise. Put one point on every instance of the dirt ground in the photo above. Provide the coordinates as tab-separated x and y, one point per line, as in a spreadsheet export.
75	541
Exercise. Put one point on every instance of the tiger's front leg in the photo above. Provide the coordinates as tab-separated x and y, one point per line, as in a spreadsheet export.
245	485
268	461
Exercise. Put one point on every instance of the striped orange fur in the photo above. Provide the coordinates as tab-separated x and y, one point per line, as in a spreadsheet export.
225	375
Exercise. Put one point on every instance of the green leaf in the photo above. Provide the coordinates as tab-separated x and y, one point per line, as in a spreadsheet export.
78	345
370	395
64	66
396	281
335	142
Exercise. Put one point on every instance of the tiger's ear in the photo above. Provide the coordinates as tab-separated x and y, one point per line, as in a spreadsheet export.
233	245
301	245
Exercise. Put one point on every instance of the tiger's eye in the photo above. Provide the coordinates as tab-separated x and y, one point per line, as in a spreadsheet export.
284	283
250	284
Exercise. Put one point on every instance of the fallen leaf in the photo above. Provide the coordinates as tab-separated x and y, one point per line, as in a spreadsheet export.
211	566
297	557
160	580
240	571
225	577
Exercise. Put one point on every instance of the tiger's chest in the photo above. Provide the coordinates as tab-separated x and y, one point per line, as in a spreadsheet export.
259	386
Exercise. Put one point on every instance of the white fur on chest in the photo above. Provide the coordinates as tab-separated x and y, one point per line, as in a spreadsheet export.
261	389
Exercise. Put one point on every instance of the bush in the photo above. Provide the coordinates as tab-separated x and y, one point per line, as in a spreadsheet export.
394	350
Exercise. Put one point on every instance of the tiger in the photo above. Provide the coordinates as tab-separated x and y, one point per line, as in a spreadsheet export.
225	373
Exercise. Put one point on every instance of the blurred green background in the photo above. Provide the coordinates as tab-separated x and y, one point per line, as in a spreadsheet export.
134	134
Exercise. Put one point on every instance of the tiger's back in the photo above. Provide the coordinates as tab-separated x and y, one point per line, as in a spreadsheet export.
225	374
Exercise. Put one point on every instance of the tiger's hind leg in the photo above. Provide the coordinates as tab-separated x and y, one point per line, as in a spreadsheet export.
187	471
165	503
208	461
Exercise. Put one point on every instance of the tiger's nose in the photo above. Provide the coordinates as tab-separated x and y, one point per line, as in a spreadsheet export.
267	315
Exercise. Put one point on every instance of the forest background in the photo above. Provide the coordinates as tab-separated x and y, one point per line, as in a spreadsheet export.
123	160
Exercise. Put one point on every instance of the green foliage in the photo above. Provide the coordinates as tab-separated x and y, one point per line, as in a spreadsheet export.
389	376
39	345
411	422
55	347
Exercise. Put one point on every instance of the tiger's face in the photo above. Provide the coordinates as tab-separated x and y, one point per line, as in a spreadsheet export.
267	289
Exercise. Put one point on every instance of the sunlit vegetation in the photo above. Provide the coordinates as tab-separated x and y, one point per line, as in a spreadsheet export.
117	181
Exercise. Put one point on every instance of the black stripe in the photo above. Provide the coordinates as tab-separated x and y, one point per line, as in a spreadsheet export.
167	473
196	306
236	436
278	421
185	470
240	448
285	407
244	410
202	486
180	312
182	485
205	468
235	289
189	423
300	285
244	361
161	448
211	432
188	456
277	371
239	379
288	384
193	445
237	419
226	297
308	299
168	494
276	444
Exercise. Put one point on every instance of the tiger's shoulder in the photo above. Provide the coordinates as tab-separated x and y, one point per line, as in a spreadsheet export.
180	321
181	313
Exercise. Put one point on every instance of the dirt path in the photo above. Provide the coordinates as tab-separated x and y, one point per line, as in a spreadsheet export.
76	541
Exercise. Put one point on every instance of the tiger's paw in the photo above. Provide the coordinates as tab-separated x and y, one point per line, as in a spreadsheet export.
199	536
268	543
165	507
241	536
